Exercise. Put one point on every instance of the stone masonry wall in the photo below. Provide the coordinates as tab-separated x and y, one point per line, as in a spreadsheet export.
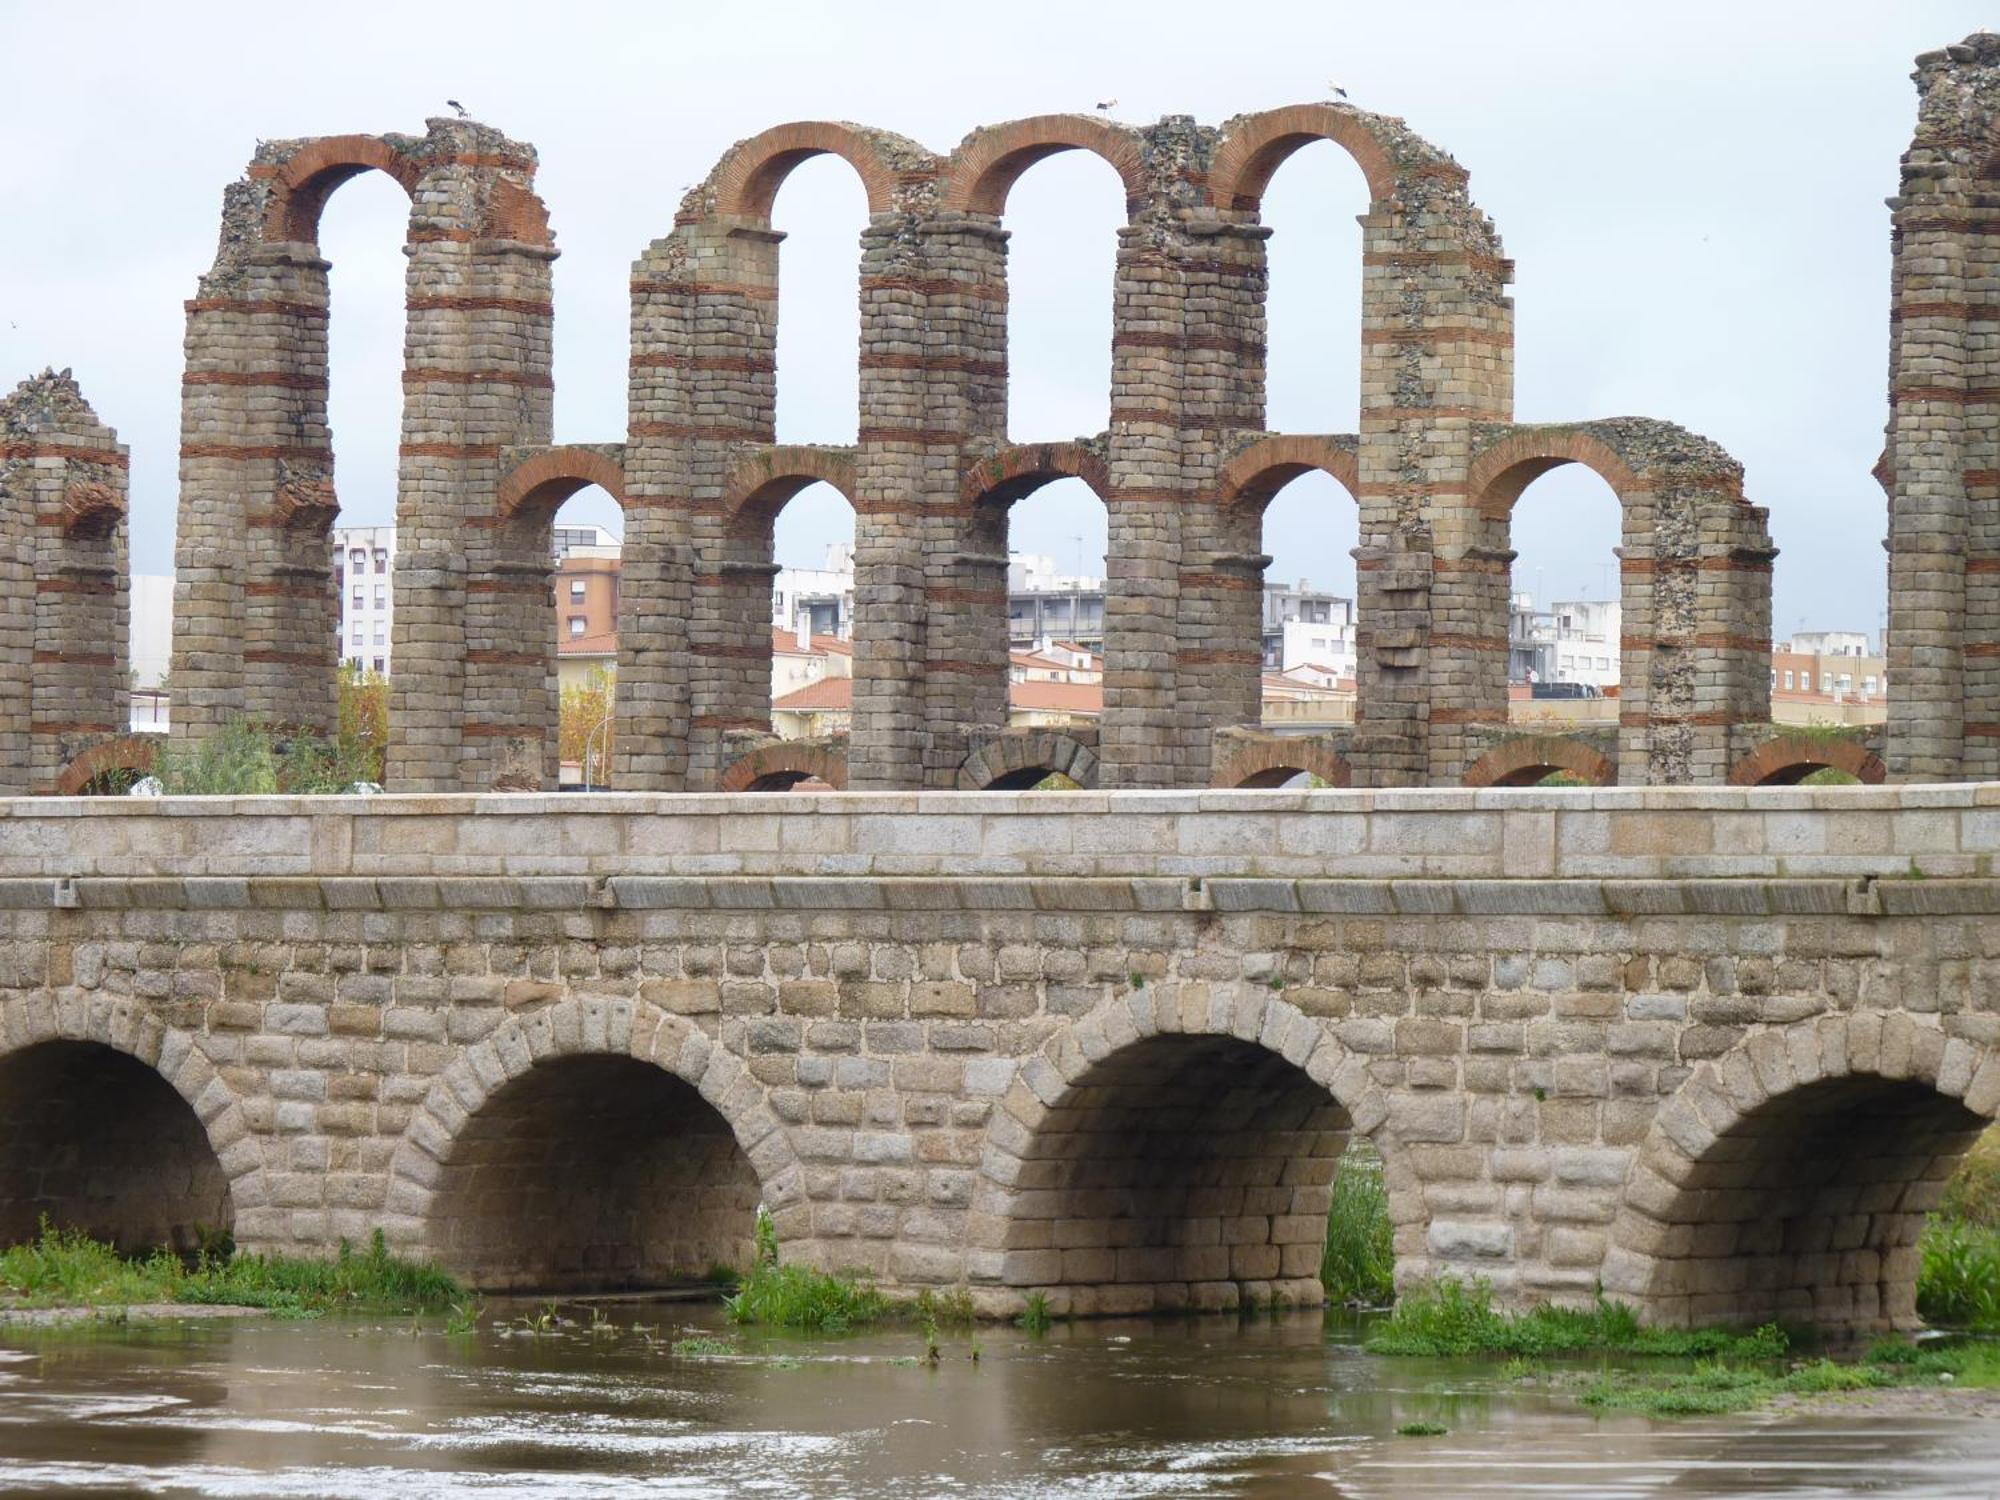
1104	1046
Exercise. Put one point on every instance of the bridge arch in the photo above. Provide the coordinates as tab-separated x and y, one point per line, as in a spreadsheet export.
761	484
1250	478
118	1125
780	767
1176	1147
1790	758
1788	1179
988	162
1273	762
537	486
592	1143
1017	762
1254	147
1526	761
301	185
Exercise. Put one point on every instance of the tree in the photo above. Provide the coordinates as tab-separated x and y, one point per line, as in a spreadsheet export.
363	729
585	737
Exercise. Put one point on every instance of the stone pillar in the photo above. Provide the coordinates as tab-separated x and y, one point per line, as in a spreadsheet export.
64	622
1944	429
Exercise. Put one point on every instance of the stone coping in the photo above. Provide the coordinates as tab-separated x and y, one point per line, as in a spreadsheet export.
1909	833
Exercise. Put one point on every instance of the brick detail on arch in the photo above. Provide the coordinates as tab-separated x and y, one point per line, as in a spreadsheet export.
983	170
1791	758
1011	753
762	482
1004	1265
582	1027
1524	762
129	1026
745	182
302	183
1253	476
797	760
1255	146
1256	763
539	483
1016	471
1674	1205
129	752
1499	474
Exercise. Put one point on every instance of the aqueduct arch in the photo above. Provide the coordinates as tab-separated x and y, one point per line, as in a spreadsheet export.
1533	758
1787	759
1788	1180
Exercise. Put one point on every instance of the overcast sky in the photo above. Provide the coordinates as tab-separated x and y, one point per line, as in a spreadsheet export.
1692	194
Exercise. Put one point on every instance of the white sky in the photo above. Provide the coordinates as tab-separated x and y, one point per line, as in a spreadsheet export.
1692	194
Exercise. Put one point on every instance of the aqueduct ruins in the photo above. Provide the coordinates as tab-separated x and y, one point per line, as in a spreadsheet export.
1714	1048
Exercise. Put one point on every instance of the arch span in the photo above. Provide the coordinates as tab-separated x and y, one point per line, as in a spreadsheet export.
301	185
983	170
115	1124
1017	762
1789	1178
1791	758
745	182
1273	762
596	1142
1018	470
129	752
1251	478
1500	474
1526	761
761	484
780	767
539	484
1174	1148
1254	147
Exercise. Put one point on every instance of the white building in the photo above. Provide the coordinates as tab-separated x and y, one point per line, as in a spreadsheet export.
364	560
1829	643
824	597
1573	640
152	637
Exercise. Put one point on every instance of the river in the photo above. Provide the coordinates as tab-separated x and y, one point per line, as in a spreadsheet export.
1268	1406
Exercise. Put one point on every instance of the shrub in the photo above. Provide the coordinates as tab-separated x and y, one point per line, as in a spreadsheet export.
1358	1263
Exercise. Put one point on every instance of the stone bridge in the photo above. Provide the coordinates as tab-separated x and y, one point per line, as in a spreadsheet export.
1715	1049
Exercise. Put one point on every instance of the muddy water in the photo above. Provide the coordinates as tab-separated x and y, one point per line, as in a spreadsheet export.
1285	1407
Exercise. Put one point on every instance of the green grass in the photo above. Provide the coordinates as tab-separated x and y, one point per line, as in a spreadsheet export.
1422	1429
799	1297
1958	1278
62	1268
1714	1387
1035	1318
1448	1318
1358	1264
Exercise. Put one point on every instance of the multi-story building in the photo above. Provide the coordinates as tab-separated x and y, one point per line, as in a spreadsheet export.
1308	627
586	588
1802	676
1573	640
364	560
824	596
1043	604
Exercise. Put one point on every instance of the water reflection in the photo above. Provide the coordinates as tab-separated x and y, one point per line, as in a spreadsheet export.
1207	1406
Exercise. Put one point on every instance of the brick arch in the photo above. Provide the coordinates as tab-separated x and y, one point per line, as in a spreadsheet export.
987	163
1499	475
778	767
1015	472
129	752
1009	758
539	484
91	510
133	1030
302	184
1524	762
747	179
761	484
1260	764
1253	477
1879	1107
1018	1181
584	1027
1790	758
1255	146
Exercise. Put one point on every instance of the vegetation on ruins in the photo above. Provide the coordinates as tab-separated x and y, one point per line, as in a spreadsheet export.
1358	1263
246	758
67	1268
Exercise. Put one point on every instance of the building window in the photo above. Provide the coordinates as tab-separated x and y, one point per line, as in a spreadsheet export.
576	626
378	635
1788	682
359	601
381	595
381	561
1868	685
357	637
576	591
378	665
358	560
1847	682
1826	682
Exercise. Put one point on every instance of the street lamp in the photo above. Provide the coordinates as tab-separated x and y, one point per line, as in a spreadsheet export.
603	724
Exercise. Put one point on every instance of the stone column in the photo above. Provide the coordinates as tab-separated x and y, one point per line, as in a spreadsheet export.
64	620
